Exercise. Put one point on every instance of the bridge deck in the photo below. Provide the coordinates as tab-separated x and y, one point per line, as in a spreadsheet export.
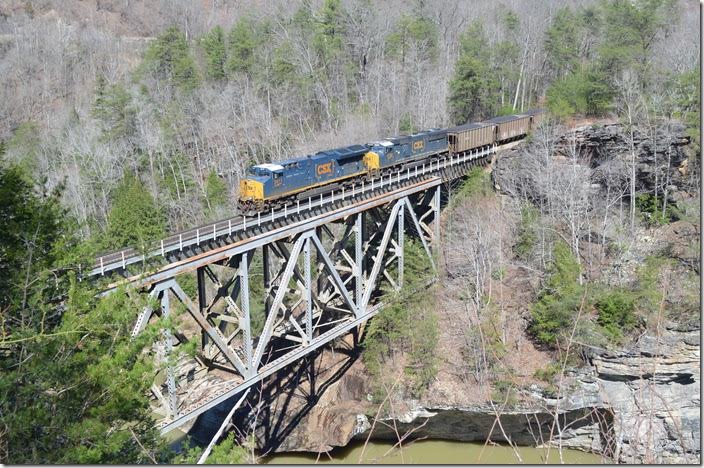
189	242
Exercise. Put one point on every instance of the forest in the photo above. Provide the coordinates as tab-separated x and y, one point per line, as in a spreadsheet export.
124	121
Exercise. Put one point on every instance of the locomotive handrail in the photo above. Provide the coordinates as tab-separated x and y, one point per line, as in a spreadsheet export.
120	259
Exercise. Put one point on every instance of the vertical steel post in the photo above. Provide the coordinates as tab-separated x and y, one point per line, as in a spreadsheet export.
399	252
359	272
202	305
319	280
308	291
246	322
266	267
436	220
168	349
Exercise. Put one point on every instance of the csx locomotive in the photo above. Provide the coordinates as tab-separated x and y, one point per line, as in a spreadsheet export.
273	185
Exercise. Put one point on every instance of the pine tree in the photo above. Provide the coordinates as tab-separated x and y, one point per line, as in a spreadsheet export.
72	381
213	44
241	45
562	41
169	59
473	88
134	219
330	30
113	110
413	31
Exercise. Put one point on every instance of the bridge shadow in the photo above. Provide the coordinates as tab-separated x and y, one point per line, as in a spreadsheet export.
286	399
276	406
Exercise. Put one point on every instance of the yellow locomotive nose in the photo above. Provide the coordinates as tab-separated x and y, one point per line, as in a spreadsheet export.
251	190
371	160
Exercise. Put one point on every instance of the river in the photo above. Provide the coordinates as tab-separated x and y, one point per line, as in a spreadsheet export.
435	452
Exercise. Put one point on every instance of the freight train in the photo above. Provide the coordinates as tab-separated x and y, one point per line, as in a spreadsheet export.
273	185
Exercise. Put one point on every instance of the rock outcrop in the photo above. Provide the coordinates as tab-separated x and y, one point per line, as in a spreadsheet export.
653	391
640	405
609	146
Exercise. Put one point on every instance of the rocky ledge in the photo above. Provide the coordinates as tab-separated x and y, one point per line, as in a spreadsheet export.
639	405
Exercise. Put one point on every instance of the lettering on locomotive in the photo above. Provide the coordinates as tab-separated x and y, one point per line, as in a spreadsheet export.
322	169
418	145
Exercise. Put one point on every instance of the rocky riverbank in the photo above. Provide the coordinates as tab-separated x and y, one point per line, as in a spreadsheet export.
638	405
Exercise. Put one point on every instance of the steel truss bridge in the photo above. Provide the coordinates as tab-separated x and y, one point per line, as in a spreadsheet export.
272	288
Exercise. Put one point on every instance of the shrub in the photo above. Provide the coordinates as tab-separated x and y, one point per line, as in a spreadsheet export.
616	313
477	183
547	373
405	323
502	392
554	312
527	236
650	210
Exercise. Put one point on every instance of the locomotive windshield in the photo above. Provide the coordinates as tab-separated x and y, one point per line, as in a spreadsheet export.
258	171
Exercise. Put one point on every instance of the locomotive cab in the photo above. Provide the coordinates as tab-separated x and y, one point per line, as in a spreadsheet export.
260	181
378	155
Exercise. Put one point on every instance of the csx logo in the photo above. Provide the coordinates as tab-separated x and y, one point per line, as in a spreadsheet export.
418	145
321	169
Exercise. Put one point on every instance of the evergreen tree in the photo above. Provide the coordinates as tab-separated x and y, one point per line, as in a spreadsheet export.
241	45
562	41
329	30
629	32
169	59
413	31
134	219
32	231
284	70
213	44
559	301
72	381
113	110
24	147
473	88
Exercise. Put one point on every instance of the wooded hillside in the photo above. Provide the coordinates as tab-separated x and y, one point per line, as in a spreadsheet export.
121	121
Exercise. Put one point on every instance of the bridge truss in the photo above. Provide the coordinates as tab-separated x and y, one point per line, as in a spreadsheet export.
265	303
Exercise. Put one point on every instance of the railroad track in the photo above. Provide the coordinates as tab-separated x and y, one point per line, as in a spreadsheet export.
191	242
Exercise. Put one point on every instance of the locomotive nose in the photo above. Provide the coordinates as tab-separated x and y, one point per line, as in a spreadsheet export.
251	190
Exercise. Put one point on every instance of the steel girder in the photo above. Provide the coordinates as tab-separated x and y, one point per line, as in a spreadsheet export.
264	304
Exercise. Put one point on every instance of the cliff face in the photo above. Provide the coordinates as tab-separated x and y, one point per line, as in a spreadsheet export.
637	406
653	392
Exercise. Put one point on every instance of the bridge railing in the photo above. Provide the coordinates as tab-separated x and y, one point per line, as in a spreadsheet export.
121	259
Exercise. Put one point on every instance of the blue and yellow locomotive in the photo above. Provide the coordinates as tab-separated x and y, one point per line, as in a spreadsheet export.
273	185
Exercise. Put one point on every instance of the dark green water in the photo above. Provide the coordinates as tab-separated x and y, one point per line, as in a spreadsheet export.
436	451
